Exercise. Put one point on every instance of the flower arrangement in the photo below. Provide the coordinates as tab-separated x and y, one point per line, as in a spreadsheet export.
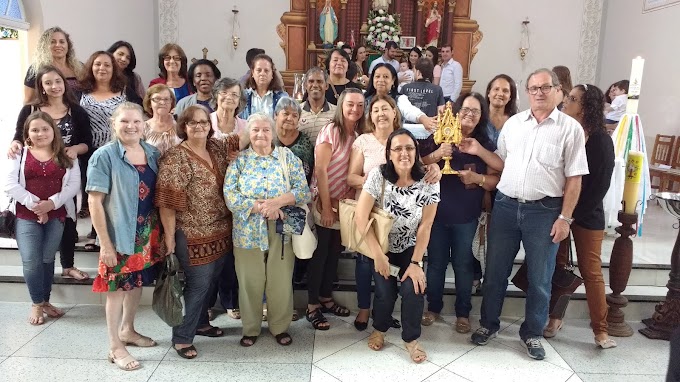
382	27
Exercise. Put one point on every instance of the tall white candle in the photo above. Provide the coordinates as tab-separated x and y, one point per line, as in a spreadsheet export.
635	85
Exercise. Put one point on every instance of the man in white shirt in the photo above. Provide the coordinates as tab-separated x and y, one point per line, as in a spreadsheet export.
541	152
452	74
388	57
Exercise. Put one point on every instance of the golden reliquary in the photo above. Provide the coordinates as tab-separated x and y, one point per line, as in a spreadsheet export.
448	131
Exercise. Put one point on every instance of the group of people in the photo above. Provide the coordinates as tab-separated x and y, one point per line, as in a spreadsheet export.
207	168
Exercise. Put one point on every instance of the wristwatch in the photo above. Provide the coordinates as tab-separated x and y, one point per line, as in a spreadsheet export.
418	263
566	219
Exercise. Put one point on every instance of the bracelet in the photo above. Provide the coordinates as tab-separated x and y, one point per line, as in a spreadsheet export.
481	184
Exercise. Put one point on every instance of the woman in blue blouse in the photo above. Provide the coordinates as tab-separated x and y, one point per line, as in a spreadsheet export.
256	187
263	89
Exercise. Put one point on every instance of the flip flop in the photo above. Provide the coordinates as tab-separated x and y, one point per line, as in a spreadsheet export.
213	331
183	352
281	337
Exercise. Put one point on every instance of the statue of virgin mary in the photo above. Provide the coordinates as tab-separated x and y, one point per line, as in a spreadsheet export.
328	24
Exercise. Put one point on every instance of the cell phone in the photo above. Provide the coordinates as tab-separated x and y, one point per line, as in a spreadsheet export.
394	270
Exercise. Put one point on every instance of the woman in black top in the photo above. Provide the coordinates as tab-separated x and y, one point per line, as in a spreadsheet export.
127	62
337	64
585	103
54	97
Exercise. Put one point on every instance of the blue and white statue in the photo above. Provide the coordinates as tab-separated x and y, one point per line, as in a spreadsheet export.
328	25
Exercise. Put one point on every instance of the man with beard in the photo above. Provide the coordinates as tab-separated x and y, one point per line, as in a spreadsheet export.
202	74
316	111
388	57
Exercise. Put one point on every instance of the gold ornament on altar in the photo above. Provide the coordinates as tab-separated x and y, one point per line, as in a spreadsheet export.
448	131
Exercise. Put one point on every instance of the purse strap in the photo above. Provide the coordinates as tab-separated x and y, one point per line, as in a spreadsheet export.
284	163
370	220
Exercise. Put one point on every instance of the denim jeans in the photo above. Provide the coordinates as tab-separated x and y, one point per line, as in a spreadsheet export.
363	275
513	222
38	244
386	290
226	286
450	243
198	280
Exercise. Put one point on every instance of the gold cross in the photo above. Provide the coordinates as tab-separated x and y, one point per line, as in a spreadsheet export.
205	56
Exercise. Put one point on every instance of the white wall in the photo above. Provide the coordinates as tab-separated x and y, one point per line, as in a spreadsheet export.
654	36
212	28
555	28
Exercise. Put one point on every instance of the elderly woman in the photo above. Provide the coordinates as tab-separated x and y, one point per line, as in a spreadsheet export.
121	179
203	74
398	187
56	99
368	152
228	100
501	96
337	64
172	63
384	82
54	48
195	219
160	128
127	61
585	104
458	214
287	114
256	188
43	181
263	89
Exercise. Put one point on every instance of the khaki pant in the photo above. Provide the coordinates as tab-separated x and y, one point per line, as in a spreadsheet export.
266	273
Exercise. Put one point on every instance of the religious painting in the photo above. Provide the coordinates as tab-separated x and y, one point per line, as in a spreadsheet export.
407	42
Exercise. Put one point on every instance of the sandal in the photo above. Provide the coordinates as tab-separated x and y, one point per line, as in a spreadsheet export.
140	342
124	363
212	331
36	317
248	341
92	246
211	315
463	326
75	273
52	311
336	309
417	354
428	318
296	316
281	339
183	352
605	344
84	213
376	340
234	313
317	319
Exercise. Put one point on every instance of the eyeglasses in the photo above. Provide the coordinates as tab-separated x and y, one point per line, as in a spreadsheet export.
571	99
203	123
160	100
232	95
401	149
472	112
545	89
173	58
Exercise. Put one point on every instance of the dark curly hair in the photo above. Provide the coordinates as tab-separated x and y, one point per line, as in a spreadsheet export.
394	92
479	133
87	81
592	105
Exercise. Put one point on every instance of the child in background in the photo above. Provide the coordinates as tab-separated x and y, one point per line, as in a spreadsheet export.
405	74
619	95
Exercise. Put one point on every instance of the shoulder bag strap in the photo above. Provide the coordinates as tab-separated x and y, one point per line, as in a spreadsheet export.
382	193
284	165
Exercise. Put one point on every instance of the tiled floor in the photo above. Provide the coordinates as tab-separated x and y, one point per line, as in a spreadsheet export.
74	348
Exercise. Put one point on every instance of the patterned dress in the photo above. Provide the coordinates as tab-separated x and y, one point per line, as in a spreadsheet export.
100	113
138	269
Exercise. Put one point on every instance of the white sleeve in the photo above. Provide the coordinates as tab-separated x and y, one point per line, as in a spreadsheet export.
457	80
407	110
13	187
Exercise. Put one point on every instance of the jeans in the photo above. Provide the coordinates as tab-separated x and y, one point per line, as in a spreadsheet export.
451	243
363	274
386	290
323	266
513	222
38	244
226	286
198	280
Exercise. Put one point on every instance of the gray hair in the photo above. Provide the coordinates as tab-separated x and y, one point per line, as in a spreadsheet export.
261	117
314	70
288	103
555	80
119	109
222	85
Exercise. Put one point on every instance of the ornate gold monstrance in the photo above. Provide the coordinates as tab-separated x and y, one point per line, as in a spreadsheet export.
448	131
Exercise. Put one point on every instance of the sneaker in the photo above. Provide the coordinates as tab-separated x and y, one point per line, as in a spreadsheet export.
534	348
482	336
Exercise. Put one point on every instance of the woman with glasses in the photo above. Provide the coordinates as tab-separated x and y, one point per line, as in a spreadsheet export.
172	63
585	103
457	216
398	187
160	128
228	99
195	218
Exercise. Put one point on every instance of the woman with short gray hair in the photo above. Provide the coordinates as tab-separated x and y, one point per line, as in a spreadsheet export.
287	117
228	100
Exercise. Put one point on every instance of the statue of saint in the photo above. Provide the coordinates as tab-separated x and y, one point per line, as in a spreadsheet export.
328	24
381	4
433	26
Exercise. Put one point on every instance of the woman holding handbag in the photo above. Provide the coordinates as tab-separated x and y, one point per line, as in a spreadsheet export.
585	103
256	188
398	188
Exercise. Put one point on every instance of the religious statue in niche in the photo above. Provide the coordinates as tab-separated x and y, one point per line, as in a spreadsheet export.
433	26
381	5
328	25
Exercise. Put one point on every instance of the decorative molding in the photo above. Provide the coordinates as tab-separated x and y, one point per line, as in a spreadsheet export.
476	39
589	44
168	24
283	35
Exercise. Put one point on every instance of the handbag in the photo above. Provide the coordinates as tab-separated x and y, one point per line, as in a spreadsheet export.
379	220
300	227
8	220
479	242
167	294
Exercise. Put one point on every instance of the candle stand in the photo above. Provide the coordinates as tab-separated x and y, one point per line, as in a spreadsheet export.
620	266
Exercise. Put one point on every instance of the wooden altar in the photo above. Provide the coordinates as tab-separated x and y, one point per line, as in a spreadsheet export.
300	40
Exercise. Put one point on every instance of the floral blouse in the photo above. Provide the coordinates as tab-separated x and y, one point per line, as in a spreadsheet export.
251	177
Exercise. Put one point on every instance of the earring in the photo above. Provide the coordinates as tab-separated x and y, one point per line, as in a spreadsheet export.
44	92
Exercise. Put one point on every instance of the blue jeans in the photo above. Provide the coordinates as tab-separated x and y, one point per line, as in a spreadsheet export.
450	243
227	285
38	244
363	275
513	222
198	281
